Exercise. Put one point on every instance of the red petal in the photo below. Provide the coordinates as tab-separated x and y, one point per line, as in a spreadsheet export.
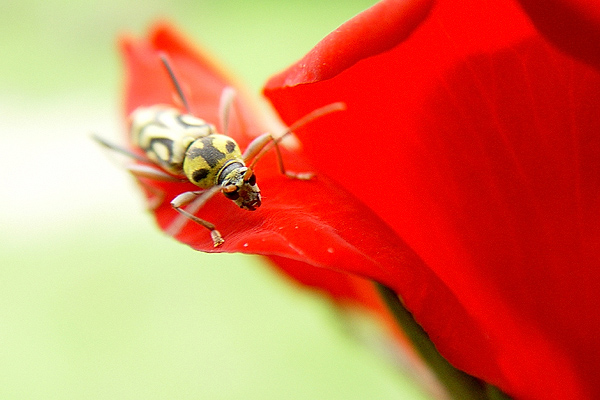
373	31
315	223
572	25
477	141
346	289
202	81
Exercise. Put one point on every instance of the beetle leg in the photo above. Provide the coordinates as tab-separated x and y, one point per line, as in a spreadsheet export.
195	199
261	145
141	171
119	149
149	172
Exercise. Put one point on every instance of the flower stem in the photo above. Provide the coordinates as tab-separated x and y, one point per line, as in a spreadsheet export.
458	384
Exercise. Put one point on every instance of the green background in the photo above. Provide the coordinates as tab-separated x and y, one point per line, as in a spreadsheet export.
95	302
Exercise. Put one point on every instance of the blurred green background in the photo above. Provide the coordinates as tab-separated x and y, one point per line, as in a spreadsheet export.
95	302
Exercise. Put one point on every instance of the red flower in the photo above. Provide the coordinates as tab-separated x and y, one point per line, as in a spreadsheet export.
483	155
472	136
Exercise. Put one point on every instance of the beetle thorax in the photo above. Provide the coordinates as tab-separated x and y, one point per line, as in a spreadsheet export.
165	134
206	157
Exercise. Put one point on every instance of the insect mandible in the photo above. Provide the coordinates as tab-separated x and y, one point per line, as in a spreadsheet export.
181	147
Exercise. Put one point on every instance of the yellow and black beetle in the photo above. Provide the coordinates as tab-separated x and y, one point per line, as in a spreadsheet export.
181	147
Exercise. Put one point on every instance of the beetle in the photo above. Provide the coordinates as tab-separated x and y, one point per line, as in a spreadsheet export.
179	146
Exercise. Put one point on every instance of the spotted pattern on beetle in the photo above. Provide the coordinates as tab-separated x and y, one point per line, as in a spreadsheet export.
207	156
164	134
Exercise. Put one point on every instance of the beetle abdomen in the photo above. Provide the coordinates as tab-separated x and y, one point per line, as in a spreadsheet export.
164	134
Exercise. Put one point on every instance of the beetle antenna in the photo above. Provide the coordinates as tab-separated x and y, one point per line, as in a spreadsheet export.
319	112
266	146
165	61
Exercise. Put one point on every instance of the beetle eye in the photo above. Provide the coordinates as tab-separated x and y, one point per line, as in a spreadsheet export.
232	195
252	180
